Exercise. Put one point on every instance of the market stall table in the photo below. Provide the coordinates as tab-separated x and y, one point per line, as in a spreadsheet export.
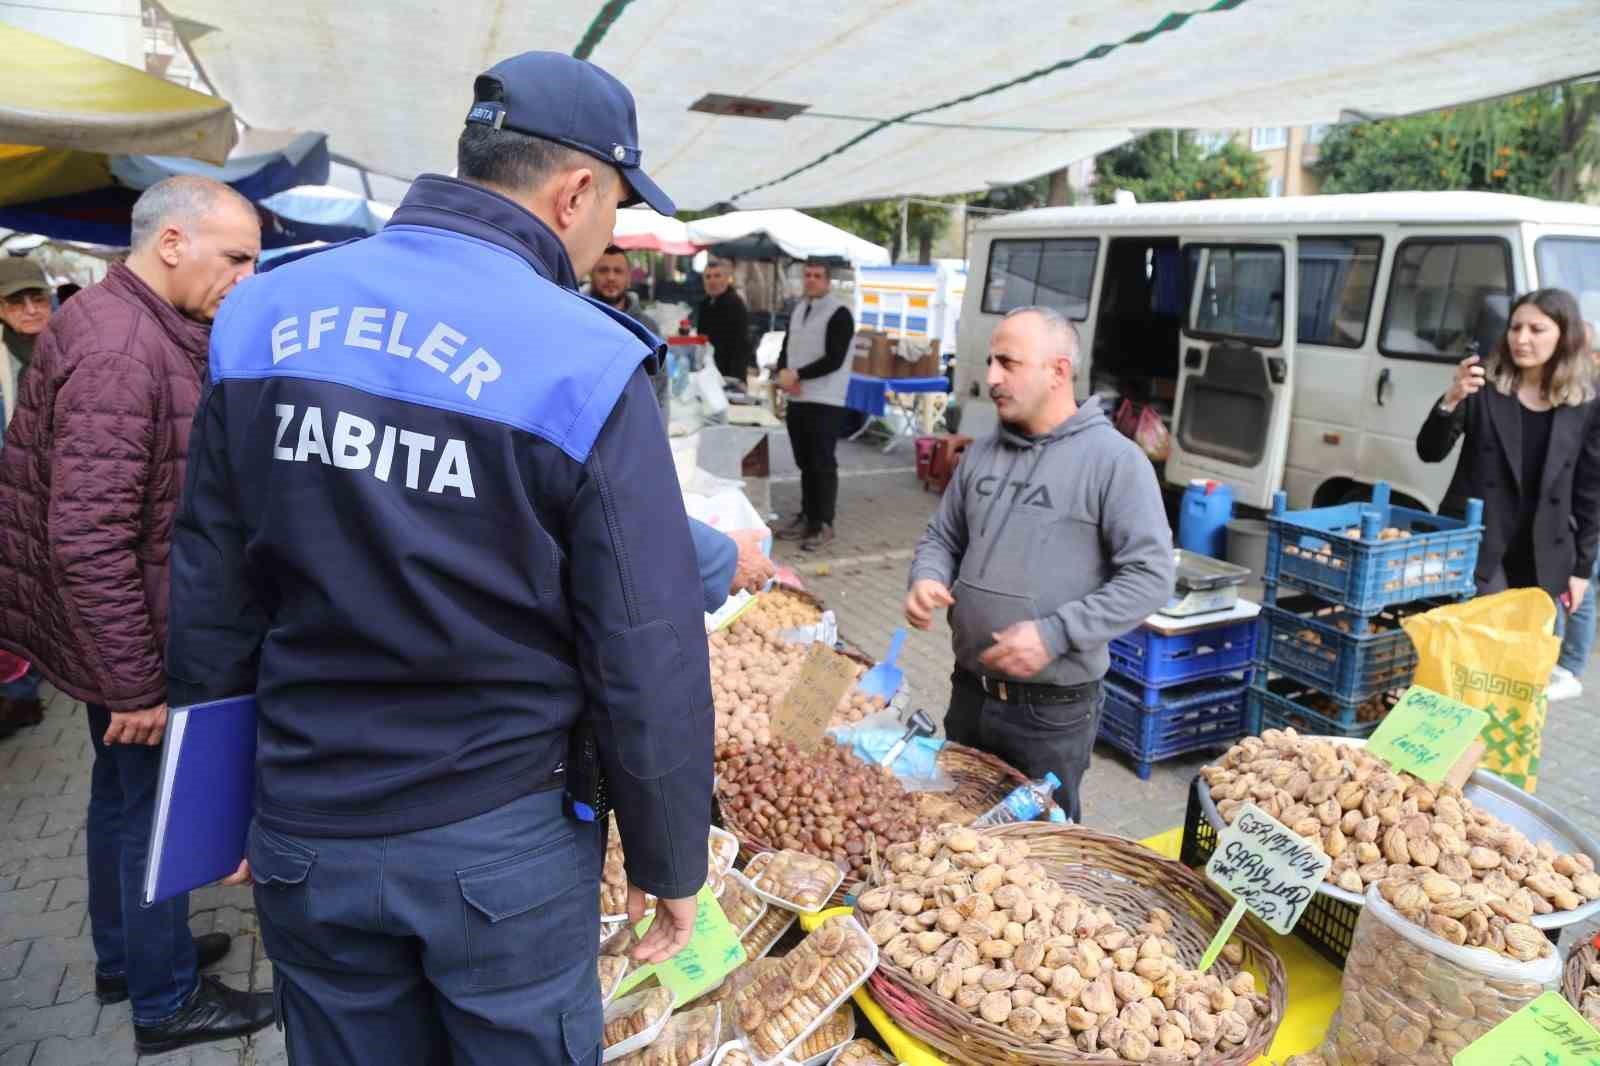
1314	991
870	396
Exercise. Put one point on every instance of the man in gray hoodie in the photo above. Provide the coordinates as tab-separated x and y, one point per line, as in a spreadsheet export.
1050	541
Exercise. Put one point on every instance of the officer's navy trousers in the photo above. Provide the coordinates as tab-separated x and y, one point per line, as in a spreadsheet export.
470	944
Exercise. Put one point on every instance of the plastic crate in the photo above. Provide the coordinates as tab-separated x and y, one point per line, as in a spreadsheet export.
1204	714
1318	643
1328	925
1282	703
1155	660
1311	551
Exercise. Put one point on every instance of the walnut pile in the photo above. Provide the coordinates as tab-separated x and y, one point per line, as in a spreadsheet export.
825	801
972	918
1403	1005
775	1009
1378	824
751	672
778	609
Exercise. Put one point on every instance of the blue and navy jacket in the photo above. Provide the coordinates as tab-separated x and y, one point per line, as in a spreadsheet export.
430	519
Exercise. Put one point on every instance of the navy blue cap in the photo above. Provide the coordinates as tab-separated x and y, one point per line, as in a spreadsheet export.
571	102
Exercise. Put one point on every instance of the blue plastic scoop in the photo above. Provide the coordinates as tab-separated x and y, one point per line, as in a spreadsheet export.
885	679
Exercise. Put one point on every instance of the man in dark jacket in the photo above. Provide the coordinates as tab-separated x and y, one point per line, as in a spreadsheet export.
461	545
610	282
89	482
1050	541
725	321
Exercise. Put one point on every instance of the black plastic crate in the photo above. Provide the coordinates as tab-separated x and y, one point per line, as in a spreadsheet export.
1328	925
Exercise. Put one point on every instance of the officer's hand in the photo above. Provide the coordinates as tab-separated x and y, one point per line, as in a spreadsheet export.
925	597
670	929
240	876
138	727
753	568
1018	651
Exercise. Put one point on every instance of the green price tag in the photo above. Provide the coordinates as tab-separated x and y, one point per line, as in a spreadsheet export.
1221	939
1426	734
1547	1032
712	953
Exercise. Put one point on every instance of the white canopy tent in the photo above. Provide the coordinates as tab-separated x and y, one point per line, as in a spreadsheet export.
919	97
640	227
795	234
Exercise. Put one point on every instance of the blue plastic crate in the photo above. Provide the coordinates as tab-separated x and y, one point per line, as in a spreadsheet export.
1157	660
1282	703
1315	552
1204	714
1322	645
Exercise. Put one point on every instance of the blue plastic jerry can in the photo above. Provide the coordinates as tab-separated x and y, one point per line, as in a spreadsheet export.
1203	517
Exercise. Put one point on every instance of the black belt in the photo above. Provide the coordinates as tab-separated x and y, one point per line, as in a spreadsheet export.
1024	692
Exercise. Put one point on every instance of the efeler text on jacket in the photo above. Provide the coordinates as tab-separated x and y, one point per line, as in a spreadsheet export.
431	522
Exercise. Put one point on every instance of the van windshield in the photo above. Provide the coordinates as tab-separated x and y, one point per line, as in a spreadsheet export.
1241	294
1572	263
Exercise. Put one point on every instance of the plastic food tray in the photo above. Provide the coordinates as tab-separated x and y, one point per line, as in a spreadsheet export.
766	949
730	844
822	1058
765	906
833	1005
606	995
758	862
1536	819
638	1040
722	1054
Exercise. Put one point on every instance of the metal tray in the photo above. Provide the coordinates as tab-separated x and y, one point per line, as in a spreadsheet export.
1536	819
1200	573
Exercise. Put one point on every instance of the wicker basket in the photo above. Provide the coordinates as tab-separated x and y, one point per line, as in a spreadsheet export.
981	781
1575	979
1129	880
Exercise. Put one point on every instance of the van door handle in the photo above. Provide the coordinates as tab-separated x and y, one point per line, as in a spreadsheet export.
1191	359
1383	383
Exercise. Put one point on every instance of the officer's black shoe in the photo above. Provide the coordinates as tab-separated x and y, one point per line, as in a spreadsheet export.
214	1012
209	947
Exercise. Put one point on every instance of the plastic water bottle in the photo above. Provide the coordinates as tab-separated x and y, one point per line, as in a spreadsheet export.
1023	803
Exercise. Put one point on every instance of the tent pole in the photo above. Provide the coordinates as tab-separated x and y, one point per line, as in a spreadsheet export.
905	211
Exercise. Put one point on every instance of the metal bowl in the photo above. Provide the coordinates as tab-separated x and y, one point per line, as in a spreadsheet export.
1534	818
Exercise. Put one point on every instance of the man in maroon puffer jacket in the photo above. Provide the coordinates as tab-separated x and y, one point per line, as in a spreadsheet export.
90	477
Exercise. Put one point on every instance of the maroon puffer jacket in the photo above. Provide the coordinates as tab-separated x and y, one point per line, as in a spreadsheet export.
90	477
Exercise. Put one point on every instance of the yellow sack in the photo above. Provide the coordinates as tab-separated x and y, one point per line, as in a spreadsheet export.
1496	653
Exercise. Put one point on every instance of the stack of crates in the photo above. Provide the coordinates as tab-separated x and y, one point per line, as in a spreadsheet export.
1339	581
1172	693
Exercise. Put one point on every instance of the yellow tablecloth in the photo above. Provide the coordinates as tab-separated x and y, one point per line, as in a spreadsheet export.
1313	991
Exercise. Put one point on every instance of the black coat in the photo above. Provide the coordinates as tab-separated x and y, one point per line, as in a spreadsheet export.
725	321
1566	525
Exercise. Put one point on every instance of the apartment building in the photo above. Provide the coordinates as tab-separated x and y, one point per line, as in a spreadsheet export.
1288	151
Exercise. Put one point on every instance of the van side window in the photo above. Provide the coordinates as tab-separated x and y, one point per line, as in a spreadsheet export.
1241	294
1337	278
1572	263
1445	295
1055	273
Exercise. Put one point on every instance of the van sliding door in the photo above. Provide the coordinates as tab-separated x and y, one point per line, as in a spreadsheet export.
1236	366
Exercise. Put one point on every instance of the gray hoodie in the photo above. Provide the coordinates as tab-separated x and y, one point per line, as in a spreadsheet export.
1067	530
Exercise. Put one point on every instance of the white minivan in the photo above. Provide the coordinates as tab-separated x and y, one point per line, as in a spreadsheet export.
1291	343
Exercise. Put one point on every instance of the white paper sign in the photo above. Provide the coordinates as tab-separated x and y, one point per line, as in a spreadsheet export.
1267	866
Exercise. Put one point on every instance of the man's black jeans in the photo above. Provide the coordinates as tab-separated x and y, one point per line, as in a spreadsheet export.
1036	738
814	432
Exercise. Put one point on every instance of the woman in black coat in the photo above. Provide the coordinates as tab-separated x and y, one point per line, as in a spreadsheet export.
1532	450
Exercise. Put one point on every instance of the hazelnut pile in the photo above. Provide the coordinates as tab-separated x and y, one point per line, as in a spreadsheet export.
1407	1006
752	670
778	609
971	917
1377	824
824	802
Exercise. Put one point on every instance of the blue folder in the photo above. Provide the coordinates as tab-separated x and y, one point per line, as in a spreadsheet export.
206	798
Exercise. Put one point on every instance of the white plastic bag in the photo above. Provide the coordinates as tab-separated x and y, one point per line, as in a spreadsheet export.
1411	998
713	400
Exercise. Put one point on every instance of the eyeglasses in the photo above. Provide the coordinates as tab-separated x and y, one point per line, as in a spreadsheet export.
17	301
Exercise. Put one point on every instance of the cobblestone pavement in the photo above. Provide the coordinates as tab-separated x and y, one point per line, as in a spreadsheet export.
48	1013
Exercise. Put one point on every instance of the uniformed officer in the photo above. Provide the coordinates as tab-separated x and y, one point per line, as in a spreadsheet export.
431	521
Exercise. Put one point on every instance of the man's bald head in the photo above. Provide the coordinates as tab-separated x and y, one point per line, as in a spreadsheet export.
1031	355
192	240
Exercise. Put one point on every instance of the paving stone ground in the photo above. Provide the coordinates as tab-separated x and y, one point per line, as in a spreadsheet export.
48	1013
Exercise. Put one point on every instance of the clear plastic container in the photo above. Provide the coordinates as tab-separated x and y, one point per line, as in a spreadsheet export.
724	849
868	953
620	1007
875	1055
1024	803
847	1014
668	1048
756	867
737	879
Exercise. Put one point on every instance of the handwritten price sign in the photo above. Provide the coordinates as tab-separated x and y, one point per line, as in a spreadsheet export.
1268	867
1547	1032
1426	734
713	952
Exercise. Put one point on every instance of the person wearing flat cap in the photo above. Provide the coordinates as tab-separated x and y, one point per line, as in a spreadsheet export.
24	311
431	522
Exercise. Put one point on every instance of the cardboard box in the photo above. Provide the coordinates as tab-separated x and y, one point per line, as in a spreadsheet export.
925	365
